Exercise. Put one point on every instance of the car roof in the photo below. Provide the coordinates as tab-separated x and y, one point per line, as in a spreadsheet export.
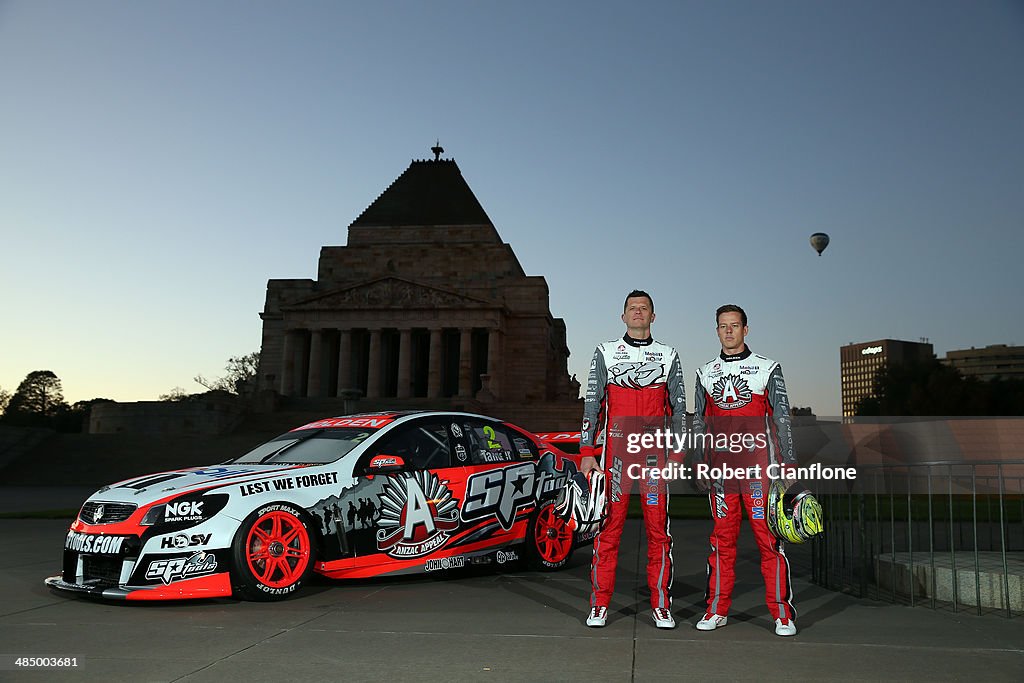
380	419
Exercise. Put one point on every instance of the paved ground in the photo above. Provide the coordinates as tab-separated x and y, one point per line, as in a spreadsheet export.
41	498
483	626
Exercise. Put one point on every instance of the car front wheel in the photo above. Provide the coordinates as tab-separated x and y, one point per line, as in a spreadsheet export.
273	553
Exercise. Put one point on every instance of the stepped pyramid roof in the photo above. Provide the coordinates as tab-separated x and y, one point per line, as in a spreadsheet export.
429	192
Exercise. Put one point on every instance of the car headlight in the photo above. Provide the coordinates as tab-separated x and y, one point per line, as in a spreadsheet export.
154	516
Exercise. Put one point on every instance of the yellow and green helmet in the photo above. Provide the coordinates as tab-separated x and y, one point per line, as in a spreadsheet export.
794	514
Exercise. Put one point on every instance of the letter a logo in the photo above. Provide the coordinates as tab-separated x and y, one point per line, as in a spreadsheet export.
417	510
731	392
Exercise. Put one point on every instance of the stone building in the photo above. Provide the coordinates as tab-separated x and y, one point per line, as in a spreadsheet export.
425	306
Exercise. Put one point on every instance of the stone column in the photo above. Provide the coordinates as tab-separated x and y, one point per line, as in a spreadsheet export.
495	360
465	363
288	364
405	363
316	356
344	360
373	372
434	370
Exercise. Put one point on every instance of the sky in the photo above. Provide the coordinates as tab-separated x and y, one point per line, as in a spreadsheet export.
160	161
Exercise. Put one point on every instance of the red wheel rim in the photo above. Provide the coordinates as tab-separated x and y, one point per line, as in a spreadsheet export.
553	537
277	549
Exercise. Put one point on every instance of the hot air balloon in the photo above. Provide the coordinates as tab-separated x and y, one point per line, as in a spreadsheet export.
819	241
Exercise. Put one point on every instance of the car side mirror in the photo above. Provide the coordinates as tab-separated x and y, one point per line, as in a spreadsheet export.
384	464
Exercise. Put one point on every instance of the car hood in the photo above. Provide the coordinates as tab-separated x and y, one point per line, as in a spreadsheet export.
148	488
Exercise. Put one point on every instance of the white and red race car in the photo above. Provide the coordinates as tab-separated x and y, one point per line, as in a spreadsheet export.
347	497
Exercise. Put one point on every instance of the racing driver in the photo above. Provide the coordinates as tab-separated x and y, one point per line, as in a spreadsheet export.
635	387
742	396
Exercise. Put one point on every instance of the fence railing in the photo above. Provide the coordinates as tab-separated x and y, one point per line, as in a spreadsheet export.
941	534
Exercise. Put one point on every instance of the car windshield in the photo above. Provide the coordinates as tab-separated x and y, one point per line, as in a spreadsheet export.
314	446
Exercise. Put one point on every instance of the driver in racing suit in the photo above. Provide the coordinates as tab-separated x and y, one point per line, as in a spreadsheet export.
635	387
741	407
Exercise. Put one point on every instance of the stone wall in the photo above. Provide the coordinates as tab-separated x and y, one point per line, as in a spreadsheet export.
188	417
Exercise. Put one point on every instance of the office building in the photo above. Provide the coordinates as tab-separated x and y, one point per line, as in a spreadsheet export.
995	360
859	362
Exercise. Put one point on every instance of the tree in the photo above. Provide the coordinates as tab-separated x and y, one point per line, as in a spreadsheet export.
37	401
175	394
932	388
75	418
241	371
5	398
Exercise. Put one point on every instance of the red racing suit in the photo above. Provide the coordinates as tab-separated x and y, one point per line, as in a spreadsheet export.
635	387
743	411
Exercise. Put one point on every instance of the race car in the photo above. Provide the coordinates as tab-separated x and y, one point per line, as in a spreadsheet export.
354	496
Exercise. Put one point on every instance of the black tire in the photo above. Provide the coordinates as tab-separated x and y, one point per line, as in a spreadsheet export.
273	553
549	542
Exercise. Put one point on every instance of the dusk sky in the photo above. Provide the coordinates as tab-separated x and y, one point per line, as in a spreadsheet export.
160	161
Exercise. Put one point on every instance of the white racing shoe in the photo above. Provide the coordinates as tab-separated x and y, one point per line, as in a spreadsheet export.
712	621
598	617
663	618
785	628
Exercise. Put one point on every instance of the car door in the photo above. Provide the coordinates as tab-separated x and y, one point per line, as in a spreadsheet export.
416	485
501	483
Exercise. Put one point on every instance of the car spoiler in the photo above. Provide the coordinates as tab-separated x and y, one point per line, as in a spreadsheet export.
559	437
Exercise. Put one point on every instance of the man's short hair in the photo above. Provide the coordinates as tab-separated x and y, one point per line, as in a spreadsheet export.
731	308
637	293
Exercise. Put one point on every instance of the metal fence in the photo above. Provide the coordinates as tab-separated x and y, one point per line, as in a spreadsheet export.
939	534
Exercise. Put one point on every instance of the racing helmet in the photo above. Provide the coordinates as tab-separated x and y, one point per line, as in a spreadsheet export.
794	514
581	501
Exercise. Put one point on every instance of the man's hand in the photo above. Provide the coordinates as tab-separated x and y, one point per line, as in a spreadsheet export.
588	463
700	484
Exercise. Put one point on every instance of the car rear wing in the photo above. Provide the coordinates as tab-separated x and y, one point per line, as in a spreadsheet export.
564	441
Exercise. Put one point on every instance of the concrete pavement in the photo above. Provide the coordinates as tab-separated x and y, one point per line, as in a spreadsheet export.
34	499
482	625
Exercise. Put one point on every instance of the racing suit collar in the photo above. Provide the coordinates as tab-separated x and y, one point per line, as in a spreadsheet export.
637	342
743	355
